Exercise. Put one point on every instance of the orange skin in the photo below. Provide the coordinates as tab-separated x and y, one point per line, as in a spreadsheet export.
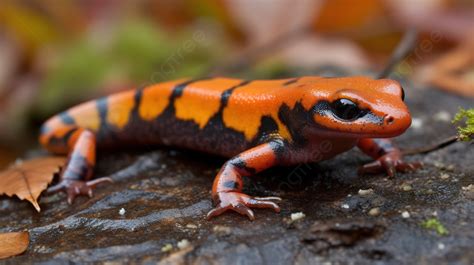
258	124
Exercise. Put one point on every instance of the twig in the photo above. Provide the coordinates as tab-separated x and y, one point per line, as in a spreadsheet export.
428	149
405	46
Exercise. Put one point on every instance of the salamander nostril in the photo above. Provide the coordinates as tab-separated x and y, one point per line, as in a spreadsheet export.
390	119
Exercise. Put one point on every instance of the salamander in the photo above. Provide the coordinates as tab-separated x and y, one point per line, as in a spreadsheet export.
256	124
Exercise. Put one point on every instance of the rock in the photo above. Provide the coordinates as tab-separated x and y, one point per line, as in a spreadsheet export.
365	192
332	234
374	211
405	214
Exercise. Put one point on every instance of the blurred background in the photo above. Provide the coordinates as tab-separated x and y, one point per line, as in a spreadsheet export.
54	54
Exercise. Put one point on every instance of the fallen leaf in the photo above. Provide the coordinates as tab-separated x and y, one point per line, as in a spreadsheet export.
450	19
290	41
28	179
453	71
12	244
247	15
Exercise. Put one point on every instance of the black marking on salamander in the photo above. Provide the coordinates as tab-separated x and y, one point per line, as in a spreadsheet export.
102	109
137	101
278	147
178	89
322	108
383	146
240	164
227	93
296	119
106	132
217	121
66	118
69	134
230	184
63	140
267	129
77	168
45	129
216	133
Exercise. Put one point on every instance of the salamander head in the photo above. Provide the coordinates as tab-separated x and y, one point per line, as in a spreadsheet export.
359	107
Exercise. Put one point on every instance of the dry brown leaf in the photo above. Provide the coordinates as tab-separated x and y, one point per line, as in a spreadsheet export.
29	178
454	71
286	39
12	244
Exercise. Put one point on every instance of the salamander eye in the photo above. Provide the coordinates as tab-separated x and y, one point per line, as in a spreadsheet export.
403	94
346	110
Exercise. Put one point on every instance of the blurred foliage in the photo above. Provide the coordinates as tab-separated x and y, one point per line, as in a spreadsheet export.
30	28
466	131
137	52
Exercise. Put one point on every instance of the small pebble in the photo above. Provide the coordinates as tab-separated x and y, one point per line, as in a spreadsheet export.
374	211
450	167
222	230
167	248
366	192
416	123
191	226
442	116
345	206
444	176
297	216
441	246
407	187
183	244
439	165
122	211
405	214
468	191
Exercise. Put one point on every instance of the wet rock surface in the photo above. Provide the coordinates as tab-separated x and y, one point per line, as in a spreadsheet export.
160	198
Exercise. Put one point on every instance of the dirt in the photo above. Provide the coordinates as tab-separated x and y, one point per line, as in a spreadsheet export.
165	194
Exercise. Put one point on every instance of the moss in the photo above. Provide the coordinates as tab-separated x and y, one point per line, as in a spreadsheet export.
434	224
466	131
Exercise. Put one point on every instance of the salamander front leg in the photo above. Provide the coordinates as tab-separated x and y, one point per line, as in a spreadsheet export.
388	158
226	191
79	167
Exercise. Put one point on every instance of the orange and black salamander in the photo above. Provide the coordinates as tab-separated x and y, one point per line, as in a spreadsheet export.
257	124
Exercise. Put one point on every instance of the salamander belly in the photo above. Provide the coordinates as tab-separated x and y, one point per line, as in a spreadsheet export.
214	138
